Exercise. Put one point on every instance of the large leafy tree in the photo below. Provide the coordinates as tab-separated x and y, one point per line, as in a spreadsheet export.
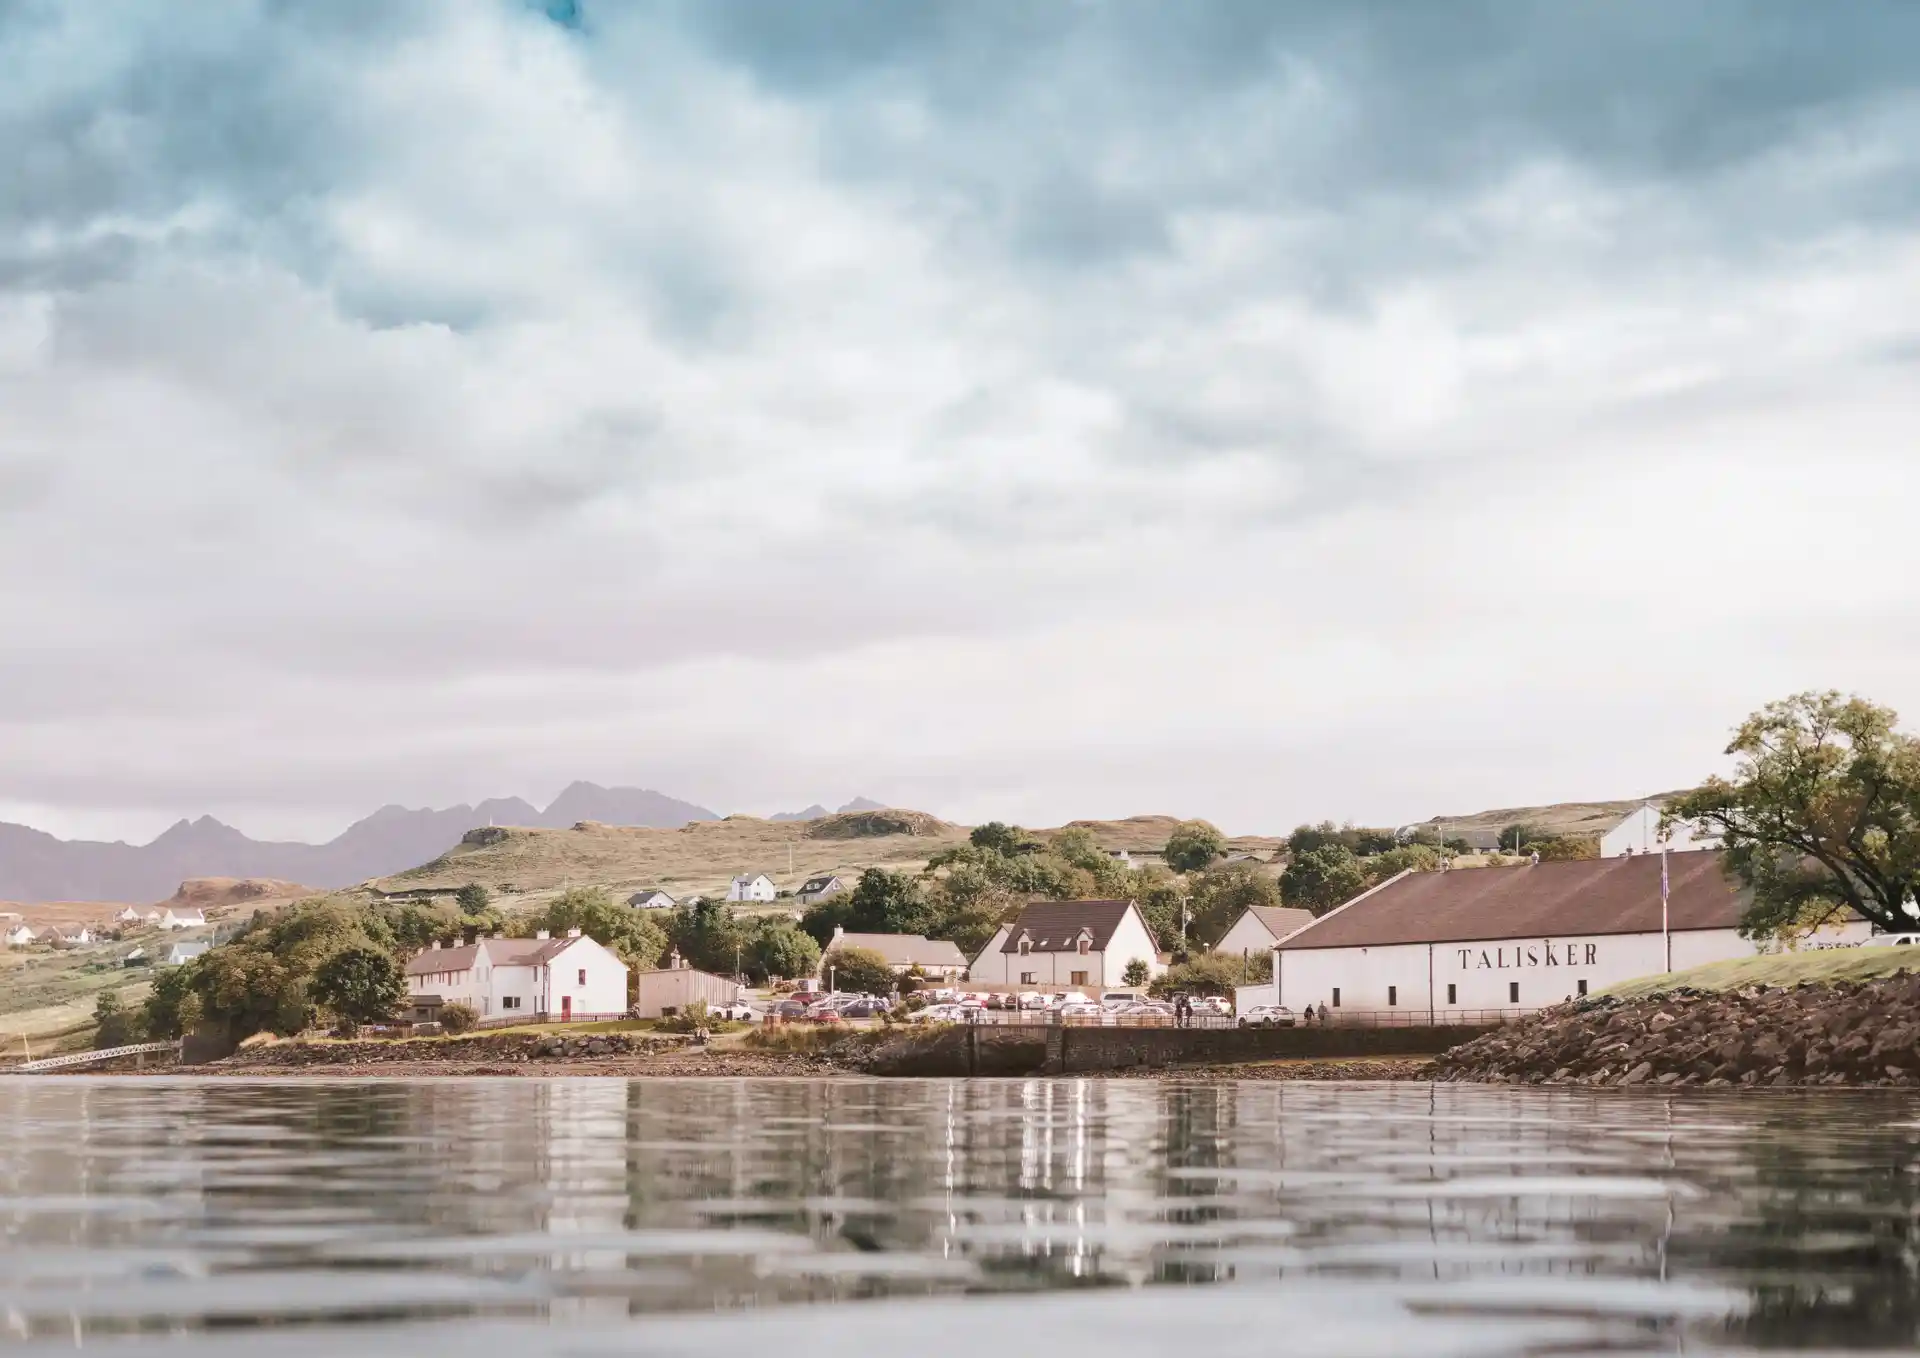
361	984
779	949
1323	878
1221	893
1822	814
629	934
706	934
883	903
859	970
1193	845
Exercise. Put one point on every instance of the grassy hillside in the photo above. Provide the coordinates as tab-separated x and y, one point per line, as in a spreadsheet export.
522	865
1561	818
1780	969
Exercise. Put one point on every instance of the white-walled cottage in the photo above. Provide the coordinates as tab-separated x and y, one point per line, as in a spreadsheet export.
1517	937
1260	927
21	936
820	888
651	898
1056	944
183	919
534	978
751	887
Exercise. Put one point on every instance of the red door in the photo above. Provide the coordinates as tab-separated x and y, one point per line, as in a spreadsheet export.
566	1007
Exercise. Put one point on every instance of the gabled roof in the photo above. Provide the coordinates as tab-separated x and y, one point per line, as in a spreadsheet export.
1055	926
1539	900
1279	920
502	952
820	883
906	950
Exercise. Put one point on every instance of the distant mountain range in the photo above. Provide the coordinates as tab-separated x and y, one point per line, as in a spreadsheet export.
816	811
35	866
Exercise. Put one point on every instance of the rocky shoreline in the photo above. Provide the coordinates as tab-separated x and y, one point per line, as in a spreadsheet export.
1857	1034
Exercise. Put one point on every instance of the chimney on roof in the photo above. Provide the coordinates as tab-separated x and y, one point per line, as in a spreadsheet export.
435	945
573	933
839	931
542	933
675	961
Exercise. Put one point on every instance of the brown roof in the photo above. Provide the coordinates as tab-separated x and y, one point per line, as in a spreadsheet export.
906	950
1054	926
502	952
1593	896
1281	920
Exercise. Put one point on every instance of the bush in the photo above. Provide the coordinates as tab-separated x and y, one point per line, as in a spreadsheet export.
1205	974
1192	845
457	1018
1136	973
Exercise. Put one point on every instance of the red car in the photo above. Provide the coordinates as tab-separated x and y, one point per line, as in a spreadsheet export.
822	1014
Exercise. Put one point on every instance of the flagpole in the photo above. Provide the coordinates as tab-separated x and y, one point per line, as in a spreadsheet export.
1666	937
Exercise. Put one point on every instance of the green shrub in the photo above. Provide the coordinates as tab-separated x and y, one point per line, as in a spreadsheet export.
457	1018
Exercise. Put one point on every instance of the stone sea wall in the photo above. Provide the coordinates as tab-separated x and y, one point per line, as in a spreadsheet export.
482	1047
1860	1034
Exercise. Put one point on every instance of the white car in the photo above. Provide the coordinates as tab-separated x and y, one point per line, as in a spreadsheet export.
739	1012
1085	1011
1216	1005
1267	1016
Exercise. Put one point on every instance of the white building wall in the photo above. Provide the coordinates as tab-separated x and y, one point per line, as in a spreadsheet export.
1131	941
1248	935
588	975
1640	833
1484	975
759	888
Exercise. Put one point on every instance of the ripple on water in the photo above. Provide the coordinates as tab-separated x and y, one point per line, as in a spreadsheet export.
535	1216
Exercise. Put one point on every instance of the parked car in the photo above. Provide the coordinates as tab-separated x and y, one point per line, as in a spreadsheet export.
865	1007
1217	1005
1085	1011
1115	998
823	1013
1267	1016
739	1012
792	1009
1033	999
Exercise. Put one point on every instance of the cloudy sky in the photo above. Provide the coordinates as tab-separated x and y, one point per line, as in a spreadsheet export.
1243	409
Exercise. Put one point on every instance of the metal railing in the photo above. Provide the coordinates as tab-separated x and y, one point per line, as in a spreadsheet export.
517	1020
88	1058
1336	1018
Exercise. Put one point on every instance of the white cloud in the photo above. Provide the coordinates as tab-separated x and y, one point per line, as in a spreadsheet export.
569	406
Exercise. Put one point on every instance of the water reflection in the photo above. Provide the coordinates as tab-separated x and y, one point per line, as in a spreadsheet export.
515	1214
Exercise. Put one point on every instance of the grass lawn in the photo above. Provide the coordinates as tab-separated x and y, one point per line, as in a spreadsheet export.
1780	969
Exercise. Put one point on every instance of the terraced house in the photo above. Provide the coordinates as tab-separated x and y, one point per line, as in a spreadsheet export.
1062	945
532	978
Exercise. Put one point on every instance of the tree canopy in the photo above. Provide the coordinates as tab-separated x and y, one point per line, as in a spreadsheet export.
631	935
359	984
1821	815
860	970
1193	845
1219	894
1323	878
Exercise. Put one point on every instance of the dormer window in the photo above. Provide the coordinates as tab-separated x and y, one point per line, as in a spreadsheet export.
1026	946
1085	943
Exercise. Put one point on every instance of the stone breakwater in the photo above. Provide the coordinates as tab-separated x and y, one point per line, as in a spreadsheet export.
1858	1034
505	1047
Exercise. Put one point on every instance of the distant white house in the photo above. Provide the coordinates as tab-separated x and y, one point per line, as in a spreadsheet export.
183	919
21	936
129	916
751	887
819	888
78	937
182	953
1259	928
1084	944
1639	832
537	978
651	898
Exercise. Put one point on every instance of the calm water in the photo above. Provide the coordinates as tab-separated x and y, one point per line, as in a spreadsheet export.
856	1218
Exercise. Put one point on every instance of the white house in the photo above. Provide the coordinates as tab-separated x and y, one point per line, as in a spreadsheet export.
903	952
1055	944
21	936
77	937
651	898
182	953
751	887
1260	927
1516	938
819	888
1639	832
183	919
129	916
535	978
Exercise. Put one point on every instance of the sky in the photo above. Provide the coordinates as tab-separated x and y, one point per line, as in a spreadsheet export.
1254	410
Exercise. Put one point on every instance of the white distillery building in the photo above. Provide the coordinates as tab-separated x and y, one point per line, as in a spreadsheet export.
1639	832
1517	938
539	977
1066	944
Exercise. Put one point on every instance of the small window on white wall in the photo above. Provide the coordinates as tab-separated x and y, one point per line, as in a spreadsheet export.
583	976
